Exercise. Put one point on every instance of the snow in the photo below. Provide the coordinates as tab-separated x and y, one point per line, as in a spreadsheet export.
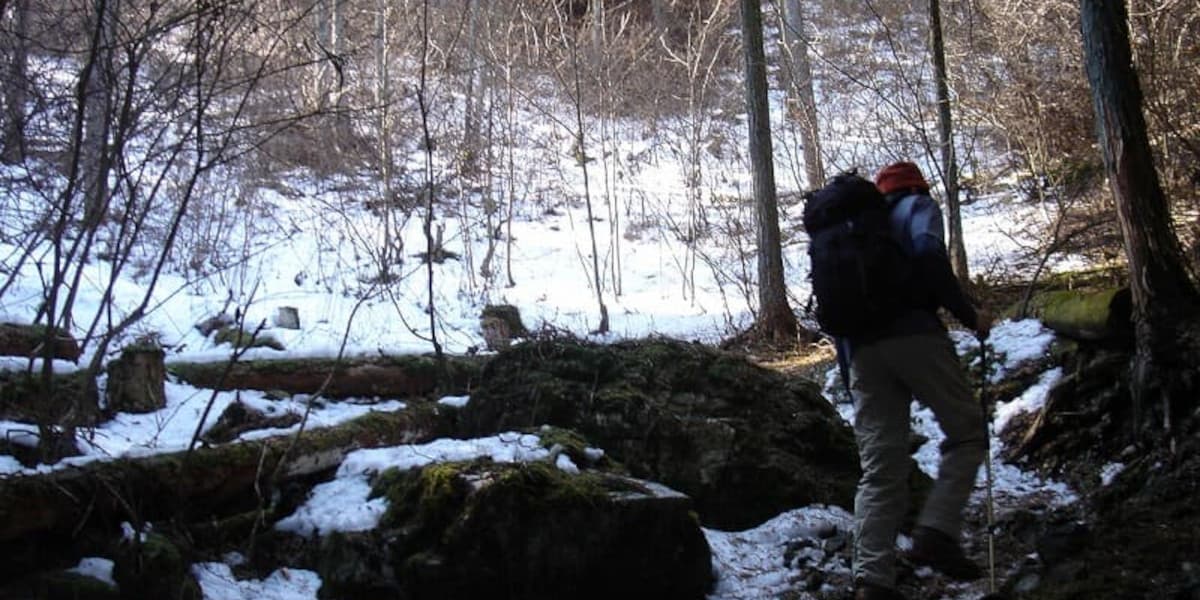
749	562
171	428
218	583
1109	472
454	401
1031	400
96	568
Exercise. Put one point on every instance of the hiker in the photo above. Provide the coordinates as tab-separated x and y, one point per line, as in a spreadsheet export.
913	357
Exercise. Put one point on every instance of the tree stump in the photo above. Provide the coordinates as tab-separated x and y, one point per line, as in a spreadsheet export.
136	381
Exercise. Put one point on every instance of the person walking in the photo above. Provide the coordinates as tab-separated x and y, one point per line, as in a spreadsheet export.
913	357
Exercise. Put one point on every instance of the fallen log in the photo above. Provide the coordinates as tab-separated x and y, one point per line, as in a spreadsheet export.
211	483
18	339
389	377
1087	315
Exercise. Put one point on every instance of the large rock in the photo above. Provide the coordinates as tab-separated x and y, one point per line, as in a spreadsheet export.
530	531
744	442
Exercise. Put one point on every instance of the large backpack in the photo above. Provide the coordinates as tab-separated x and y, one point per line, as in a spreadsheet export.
860	274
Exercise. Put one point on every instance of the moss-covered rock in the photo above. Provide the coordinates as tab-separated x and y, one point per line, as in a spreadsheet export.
60	585
154	567
479	529
744	442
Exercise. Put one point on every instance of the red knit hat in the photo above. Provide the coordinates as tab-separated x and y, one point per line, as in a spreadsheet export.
900	176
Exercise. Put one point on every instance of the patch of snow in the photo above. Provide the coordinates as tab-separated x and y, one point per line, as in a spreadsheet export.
9	465
750	564
1031	400
1109	473
1011	345
218	583
21	434
455	401
593	454
171	428
128	532
564	463
96	568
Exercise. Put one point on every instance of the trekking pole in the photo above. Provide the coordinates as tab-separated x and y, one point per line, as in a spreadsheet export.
987	431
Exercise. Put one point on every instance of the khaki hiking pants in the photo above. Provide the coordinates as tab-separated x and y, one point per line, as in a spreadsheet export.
885	377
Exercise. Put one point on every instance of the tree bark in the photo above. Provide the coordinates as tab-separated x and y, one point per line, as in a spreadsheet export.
16	85
956	246
98	110
1164	297
800	85
775	318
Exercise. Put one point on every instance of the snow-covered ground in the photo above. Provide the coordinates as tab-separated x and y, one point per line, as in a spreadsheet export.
317	261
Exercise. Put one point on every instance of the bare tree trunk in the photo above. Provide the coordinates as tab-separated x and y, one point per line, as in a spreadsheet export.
775	318
383	103
587	196
16	85
800	86
957	248
430	246
471	110
98	112
1164	298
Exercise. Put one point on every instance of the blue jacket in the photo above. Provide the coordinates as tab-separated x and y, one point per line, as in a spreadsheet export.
916	224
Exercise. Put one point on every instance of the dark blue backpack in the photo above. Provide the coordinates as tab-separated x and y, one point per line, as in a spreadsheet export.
860	275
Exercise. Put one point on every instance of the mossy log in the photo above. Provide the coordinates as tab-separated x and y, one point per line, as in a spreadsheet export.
27	340
1086	314
388	377
212	483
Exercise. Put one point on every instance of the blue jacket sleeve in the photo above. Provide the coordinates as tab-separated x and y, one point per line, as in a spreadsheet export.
932	262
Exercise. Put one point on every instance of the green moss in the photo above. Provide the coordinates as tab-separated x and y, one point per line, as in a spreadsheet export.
423	500
570	441
541	488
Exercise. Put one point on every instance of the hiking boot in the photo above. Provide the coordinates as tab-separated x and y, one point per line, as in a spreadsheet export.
870	591
935	549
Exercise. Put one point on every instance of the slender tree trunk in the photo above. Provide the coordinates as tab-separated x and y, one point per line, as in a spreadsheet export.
383	103
471	108
98	113
16	85
430	246
800	86
587	196
1165	301
775	318
958	250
